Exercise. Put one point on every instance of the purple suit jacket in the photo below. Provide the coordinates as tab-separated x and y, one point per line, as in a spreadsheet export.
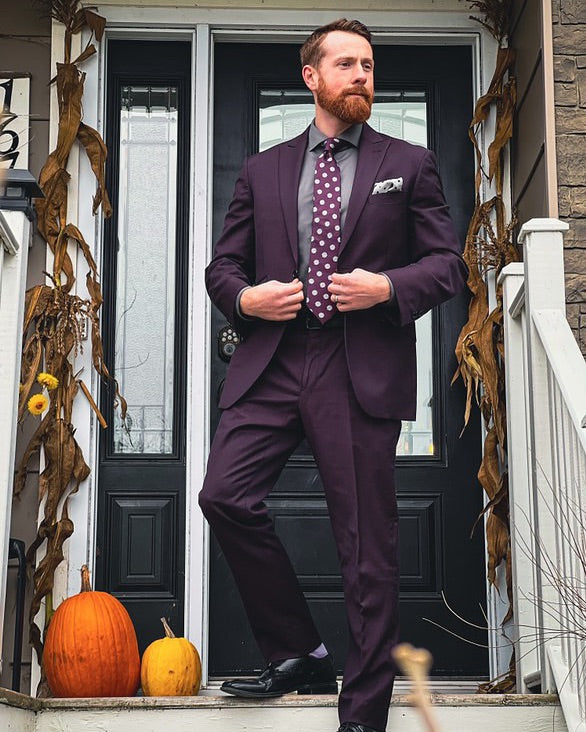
407	234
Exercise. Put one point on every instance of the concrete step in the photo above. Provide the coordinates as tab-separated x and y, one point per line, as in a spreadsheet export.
212	712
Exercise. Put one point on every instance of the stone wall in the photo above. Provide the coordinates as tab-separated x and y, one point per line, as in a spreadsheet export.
569	42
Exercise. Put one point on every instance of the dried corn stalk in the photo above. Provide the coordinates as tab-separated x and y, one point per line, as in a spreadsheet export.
489	247
55	319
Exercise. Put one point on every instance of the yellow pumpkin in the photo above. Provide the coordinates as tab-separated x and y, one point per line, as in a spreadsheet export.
170	666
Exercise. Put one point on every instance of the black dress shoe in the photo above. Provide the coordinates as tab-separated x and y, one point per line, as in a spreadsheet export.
305	675
355	727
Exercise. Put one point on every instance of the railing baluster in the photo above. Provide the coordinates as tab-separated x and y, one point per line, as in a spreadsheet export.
572	532
567	528
578	484
572	573
559	562
576	514
579	488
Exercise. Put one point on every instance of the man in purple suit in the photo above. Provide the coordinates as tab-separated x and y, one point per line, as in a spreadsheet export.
334	243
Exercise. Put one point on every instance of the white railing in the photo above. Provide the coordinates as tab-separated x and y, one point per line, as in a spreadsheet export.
14	239
546	423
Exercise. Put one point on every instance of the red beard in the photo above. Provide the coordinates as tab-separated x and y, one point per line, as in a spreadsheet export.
347	105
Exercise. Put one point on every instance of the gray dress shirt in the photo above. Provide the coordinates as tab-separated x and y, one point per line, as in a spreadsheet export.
346	157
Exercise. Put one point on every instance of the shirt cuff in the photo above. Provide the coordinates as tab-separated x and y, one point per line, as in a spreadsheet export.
392	296
238	309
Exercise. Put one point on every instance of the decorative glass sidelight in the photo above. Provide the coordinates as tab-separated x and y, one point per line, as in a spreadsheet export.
146	271
285	113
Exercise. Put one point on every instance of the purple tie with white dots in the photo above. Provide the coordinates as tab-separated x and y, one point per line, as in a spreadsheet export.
325	232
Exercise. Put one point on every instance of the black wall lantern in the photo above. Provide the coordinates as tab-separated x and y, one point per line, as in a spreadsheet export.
17	189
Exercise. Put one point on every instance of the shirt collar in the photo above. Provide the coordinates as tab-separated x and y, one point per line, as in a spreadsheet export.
351	135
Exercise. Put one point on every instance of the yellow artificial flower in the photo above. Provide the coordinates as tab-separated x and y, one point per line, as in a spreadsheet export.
48	380
37	404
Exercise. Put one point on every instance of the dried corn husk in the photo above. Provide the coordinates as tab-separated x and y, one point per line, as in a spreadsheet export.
55	319
489	247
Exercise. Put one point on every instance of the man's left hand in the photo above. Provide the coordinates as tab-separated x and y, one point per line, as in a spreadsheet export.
358	290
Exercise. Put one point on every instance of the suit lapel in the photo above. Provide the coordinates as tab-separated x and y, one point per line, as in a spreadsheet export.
371	152
290	163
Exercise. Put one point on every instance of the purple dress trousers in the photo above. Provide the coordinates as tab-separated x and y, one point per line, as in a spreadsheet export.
344	388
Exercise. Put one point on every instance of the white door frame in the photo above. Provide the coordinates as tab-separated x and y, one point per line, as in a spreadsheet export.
203	27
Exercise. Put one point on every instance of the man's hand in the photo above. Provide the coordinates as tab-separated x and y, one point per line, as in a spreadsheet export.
358	290
273	300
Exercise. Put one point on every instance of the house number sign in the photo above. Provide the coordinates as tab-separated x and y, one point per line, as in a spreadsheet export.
14	122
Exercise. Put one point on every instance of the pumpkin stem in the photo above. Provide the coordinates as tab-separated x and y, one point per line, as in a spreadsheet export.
85	579
168	632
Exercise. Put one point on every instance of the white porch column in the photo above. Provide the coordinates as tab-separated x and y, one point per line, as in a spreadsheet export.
15	232
544	290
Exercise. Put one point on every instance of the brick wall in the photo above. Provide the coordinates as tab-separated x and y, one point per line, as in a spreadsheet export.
569	42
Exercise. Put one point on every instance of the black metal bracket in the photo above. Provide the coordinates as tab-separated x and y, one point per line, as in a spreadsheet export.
16	551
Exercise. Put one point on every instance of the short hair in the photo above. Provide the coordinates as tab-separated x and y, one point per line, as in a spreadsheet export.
311	51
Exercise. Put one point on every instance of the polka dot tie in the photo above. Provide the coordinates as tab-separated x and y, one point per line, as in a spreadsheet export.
325	232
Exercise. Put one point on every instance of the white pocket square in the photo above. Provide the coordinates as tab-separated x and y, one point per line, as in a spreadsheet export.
388	186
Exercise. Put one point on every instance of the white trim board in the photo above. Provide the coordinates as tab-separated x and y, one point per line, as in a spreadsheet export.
15	237
293	20
203	27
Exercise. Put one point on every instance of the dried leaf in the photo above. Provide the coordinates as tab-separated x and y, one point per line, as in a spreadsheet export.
70	83
93	405
87	52
504	62
55	534
86	17
28	373
96	22
97	153
504	684
73	232
32	448
504	130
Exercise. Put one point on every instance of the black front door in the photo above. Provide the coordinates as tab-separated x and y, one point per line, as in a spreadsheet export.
140	551
424	95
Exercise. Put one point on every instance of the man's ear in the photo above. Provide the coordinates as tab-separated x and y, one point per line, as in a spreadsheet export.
310	76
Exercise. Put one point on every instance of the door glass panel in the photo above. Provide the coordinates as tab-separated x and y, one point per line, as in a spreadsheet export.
284	113
145	285
417	437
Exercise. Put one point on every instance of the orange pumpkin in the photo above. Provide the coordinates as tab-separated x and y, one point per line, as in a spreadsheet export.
91	647
170	666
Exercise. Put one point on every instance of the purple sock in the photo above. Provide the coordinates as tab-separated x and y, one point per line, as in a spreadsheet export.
319	652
